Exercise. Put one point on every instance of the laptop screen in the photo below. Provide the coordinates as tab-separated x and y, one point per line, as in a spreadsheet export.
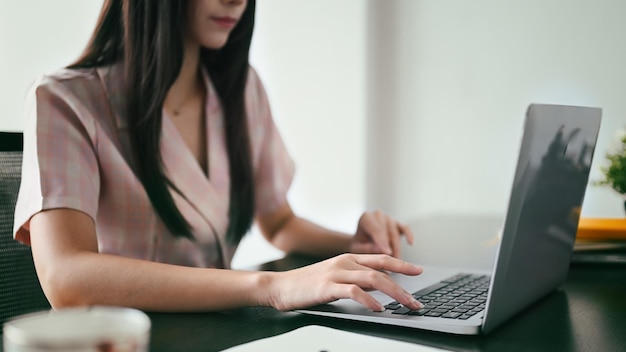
544	207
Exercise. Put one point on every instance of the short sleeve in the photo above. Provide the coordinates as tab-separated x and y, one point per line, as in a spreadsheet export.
274	169
59	168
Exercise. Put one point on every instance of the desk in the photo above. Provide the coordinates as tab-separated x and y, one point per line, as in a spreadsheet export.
587	313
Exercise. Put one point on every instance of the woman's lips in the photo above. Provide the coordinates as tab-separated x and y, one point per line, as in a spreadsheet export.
225	22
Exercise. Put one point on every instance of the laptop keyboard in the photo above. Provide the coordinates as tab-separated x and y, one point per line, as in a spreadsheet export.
458	297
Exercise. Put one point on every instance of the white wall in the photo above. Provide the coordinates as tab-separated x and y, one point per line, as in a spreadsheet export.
38	36
449	85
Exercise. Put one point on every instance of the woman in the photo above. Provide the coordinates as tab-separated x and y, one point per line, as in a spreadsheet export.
147	160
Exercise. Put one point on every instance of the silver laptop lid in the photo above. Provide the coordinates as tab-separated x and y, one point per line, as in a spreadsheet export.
542	218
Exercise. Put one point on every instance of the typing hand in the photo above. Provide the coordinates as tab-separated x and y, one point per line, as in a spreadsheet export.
378	233
344	276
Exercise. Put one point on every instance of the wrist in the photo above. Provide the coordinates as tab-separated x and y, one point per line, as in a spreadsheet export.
345	244
265	289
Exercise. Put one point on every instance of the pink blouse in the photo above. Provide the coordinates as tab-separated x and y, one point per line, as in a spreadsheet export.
77	156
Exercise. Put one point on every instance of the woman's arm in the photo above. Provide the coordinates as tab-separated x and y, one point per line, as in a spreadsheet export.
376	233
73	273
292	234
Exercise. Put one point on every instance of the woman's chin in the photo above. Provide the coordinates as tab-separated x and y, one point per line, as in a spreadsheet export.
214	43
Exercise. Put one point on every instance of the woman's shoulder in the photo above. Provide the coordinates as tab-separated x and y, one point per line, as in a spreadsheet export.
81	92
70	74
66	76
79	82
65	84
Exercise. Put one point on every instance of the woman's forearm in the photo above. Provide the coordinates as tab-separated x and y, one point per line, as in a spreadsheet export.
291	233
302	236
72	273
100	279
376	233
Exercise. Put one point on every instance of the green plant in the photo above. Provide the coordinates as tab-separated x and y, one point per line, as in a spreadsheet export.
615	170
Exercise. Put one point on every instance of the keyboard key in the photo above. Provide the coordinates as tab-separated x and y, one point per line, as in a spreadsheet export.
401	311
432	314
430	289
439	310
460	310
393	306
419	312
448	306
451	315
455	278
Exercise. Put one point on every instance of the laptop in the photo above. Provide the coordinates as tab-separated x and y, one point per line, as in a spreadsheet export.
532	255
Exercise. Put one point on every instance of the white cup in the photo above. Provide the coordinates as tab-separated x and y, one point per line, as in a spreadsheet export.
98	329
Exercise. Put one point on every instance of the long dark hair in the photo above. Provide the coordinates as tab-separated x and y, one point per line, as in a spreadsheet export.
148	36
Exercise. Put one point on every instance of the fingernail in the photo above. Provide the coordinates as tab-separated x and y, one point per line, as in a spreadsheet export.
415	303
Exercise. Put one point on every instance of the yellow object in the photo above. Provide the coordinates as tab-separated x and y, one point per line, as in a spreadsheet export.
601	229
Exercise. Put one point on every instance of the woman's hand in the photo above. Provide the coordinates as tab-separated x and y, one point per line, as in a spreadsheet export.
344	276
377	232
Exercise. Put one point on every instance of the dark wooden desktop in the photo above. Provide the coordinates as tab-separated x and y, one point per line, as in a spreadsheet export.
586	313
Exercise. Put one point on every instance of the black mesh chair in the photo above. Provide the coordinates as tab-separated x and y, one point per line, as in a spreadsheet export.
20	291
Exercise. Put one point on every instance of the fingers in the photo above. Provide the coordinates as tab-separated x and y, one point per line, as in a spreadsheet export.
382	262
375	226
406	231
357	294
384	232
394	238
376	280
365	248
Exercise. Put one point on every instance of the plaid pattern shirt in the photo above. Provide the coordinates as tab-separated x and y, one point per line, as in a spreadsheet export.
77	156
